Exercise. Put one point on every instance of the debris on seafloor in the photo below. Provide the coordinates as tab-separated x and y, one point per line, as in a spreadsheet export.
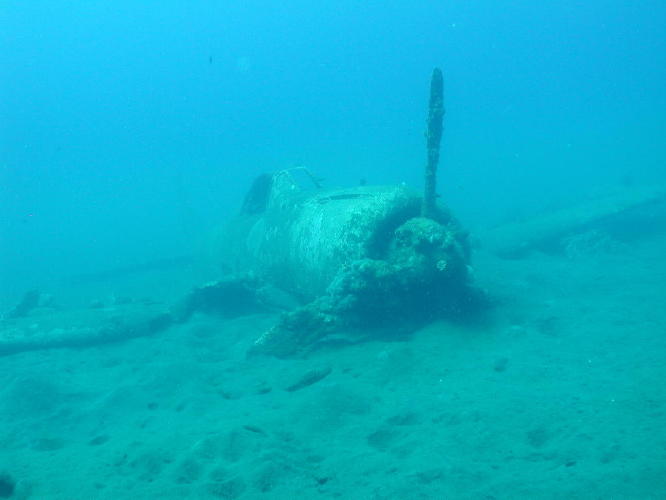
233	296
309	378
630	211
7	485
30	301
71	328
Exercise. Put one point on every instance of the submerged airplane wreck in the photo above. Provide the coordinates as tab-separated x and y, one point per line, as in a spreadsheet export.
359	259
338	265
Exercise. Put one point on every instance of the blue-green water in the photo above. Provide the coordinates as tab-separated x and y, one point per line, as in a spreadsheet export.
129	132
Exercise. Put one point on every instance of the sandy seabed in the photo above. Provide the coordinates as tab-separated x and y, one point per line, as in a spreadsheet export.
559	392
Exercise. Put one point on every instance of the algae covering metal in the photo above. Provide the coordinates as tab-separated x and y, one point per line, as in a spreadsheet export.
304	237
359	258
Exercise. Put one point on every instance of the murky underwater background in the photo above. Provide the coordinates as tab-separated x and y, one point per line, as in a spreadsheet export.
129	132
